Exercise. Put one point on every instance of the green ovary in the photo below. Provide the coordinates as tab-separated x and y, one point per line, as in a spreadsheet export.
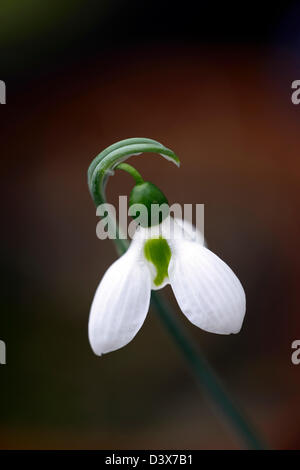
158	252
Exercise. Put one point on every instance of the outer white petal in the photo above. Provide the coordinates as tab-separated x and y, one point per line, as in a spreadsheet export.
121	302
190	231
206	289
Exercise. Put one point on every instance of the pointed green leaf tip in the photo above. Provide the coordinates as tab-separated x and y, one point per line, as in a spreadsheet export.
103	165
158	252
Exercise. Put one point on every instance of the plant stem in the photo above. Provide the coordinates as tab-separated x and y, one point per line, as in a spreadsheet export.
132	171
205	375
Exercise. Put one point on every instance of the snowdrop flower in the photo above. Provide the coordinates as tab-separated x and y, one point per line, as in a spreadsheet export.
171	252
206	289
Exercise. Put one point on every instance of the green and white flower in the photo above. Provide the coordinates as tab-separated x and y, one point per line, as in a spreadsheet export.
206	289
163	251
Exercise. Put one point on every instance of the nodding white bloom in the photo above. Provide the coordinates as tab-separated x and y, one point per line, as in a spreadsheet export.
206	289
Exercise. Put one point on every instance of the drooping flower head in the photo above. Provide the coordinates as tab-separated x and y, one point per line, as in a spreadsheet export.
168	251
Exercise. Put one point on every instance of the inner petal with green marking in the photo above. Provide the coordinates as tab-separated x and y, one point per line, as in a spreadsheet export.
158	252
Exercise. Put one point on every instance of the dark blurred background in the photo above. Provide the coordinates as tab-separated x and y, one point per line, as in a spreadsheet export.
213	82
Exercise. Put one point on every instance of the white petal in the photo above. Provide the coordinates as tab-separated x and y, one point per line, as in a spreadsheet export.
206	289
121	302
190	231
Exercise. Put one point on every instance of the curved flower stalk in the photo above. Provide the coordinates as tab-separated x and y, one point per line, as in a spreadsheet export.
104	164
169	251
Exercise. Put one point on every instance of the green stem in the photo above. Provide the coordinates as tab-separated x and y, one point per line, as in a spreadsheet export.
132	171
206	377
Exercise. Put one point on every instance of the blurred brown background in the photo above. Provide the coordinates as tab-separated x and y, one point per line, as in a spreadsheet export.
220	98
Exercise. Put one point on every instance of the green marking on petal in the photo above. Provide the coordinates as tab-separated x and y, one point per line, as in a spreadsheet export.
158	252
